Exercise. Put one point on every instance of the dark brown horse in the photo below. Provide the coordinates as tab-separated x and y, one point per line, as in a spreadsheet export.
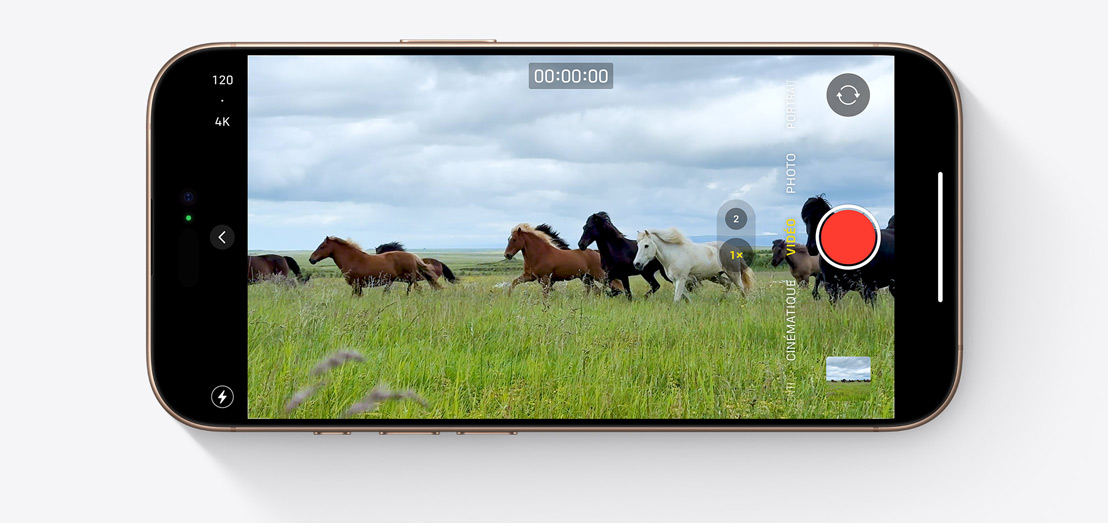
265	266
801	264
361	269
440	268
548	259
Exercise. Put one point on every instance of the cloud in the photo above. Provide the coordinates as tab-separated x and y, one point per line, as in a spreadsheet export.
848	367
443	151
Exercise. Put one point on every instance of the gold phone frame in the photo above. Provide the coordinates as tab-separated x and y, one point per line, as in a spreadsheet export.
509	428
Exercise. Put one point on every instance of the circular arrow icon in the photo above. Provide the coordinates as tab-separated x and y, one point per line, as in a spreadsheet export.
852	88
848	94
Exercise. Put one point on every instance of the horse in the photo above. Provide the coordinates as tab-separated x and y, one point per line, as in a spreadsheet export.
617	253
683	259
548	259
876	274
265	266
440	268
361	269
801	264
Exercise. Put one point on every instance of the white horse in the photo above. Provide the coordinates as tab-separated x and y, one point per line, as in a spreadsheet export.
684	260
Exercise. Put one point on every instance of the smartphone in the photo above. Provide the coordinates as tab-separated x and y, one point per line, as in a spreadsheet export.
483	237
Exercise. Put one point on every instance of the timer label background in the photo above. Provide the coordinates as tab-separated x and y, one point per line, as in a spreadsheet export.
562	75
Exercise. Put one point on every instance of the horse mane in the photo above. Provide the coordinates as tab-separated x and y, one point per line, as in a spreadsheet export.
347	242
670	235
545	232
799	248
815	204
607	221
390	247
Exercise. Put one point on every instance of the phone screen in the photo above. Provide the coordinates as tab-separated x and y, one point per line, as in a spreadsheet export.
467	237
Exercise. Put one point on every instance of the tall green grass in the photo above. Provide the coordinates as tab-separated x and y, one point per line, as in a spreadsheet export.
471	351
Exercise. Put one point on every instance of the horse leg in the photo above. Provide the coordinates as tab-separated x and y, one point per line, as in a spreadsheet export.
523	278
737	280
613	287
626	281
679	289
610	282
724	279
815	286
834	290
547	284
408	291
869	294
654	285
802	282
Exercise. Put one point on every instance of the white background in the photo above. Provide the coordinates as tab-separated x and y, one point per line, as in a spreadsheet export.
1024	438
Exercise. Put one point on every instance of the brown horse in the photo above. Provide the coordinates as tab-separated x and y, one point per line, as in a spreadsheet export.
801	264
265	266
440	269
548	259
361	269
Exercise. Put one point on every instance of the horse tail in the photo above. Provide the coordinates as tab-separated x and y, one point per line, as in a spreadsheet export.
448	274
293	266
747	276
424	270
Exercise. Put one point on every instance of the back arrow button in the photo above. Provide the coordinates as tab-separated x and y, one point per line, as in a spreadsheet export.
222	237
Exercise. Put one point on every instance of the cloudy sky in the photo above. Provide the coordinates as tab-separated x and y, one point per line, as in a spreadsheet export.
848	368
452	151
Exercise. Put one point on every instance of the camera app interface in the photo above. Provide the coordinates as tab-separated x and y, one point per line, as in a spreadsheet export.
570	237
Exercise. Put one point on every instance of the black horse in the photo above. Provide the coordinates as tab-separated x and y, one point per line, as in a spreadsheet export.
878	273
617	253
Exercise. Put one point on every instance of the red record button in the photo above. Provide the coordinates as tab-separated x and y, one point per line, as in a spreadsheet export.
847	237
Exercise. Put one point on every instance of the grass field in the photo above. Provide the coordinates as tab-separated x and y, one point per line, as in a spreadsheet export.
853	391
471	351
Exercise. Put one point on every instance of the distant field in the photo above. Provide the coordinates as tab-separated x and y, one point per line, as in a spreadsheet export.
471	351
853	391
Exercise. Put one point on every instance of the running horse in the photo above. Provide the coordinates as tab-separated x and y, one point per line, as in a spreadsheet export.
801	264
687	262
440	268
266	266
548	259
361	269
878	273
617	254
